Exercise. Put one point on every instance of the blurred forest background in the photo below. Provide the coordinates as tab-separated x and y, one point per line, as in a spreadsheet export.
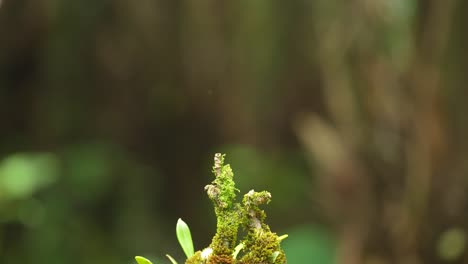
352	113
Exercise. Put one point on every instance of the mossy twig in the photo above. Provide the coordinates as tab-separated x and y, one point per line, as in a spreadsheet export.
260	246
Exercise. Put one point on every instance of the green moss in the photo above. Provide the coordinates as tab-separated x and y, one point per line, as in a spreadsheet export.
195	259
261	245
260	242
222	192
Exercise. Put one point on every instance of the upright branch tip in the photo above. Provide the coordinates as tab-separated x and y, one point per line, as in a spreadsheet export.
218	163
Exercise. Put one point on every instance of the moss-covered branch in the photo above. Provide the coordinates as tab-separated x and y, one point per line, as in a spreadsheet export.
222	192
260	246
263	245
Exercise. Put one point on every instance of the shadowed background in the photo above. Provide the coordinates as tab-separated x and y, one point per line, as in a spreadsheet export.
351	113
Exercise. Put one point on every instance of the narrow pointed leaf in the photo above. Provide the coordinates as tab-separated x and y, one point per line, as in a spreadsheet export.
171	259
142	260
237	250
185	238
274	256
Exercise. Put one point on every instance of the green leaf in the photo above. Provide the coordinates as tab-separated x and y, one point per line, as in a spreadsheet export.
237	250
142	260
184	237
274	256
171	259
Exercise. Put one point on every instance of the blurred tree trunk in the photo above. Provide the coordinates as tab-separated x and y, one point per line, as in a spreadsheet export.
384	149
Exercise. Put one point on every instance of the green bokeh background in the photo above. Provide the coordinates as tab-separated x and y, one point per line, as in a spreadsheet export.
351	113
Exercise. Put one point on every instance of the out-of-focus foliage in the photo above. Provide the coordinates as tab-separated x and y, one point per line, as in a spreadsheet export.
22	174
451	245
310	242
352	113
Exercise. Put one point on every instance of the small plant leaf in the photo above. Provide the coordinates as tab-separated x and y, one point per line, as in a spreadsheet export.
185	238
142	260
171	259
237	250
274	256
